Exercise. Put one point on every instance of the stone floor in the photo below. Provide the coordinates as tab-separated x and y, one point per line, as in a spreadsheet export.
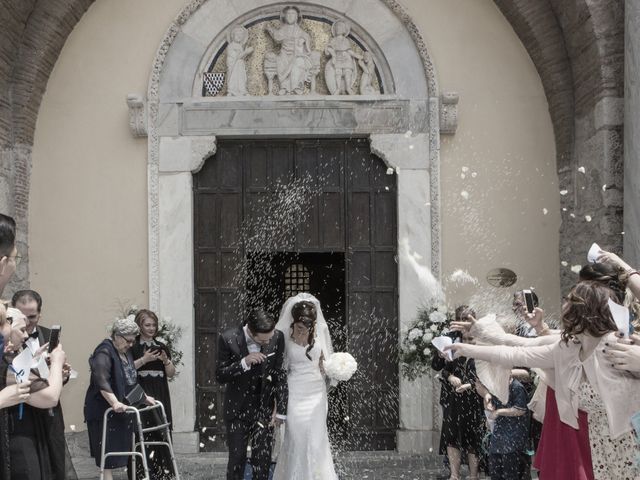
350	466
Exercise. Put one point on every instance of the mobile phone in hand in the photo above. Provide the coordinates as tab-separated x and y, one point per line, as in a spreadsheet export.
528	300
54	338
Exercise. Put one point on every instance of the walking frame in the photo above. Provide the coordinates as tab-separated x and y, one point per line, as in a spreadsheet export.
142	443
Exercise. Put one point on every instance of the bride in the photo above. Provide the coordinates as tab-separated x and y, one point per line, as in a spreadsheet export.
305	452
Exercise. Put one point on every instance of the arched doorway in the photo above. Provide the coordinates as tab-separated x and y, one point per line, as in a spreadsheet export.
275	217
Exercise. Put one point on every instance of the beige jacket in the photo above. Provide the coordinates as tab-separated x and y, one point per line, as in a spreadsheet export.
487	331
563	371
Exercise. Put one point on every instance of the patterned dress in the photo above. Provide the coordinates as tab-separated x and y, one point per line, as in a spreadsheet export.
612	459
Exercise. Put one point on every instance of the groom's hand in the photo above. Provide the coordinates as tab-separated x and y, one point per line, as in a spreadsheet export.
276	421
254	358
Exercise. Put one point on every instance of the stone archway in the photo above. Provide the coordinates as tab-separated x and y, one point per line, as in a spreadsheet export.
402	124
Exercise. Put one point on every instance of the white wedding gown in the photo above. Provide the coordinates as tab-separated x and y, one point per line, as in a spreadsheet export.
305	453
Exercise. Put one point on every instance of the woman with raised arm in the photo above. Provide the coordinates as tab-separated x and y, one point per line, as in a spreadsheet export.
592	397
25	451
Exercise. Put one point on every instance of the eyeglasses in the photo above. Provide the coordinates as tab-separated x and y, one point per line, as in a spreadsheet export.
129	341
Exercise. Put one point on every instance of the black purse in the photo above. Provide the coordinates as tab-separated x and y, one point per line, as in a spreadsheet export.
136	396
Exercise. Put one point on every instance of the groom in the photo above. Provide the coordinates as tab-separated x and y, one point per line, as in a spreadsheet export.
250	364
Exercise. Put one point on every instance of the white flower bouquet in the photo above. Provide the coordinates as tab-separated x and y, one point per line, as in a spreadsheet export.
416	350
341	366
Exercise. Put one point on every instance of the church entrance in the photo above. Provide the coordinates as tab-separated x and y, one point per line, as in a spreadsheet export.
278	217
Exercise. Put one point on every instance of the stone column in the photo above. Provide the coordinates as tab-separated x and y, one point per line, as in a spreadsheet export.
632	133
409	155
179	158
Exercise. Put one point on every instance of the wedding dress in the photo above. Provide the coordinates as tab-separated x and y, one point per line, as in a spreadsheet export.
305	453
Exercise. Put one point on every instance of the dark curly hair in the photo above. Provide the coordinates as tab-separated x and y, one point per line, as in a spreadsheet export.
305	313
611	276
586	310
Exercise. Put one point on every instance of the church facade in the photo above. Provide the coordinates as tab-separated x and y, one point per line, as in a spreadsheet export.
207	156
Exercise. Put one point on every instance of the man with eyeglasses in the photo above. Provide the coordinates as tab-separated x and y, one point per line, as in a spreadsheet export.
29	302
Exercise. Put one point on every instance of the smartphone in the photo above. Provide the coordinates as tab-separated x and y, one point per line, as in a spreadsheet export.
155	348
54	337
528	300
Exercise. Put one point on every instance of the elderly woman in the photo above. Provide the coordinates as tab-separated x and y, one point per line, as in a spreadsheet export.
113	376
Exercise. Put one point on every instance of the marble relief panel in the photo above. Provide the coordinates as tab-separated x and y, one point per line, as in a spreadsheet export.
254	56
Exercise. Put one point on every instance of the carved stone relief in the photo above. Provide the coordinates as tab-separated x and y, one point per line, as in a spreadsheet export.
285	57
237	51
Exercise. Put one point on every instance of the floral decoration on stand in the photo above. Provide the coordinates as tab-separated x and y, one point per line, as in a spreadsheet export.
416	349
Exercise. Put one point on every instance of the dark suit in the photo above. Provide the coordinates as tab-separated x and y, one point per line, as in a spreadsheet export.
54	425
250	399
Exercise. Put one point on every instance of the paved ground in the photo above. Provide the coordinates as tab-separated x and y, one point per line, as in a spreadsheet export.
350	466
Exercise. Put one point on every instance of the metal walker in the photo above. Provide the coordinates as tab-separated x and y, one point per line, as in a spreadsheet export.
142	443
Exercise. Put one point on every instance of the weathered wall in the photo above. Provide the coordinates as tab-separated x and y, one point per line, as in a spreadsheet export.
581	44
88	212
505	138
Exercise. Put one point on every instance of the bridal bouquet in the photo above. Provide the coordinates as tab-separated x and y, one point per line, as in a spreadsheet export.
416	350
341	366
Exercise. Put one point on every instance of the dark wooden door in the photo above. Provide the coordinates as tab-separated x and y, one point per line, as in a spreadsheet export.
372	327
308	201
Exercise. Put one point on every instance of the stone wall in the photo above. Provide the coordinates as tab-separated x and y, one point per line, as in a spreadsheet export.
578	49
32	35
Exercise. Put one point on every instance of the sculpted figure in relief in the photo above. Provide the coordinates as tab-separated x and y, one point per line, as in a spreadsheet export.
368	71
340	71
236	67
296	64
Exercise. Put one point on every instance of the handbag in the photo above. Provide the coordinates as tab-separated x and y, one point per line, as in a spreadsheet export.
136	396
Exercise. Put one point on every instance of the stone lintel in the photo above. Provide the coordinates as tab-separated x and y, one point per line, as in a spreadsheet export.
304	116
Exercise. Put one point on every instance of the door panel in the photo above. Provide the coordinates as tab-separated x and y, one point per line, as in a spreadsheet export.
346	240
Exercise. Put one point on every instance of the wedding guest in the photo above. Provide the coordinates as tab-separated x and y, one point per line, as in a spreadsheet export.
152	359
510	433
9	257
462	413
29	302
113	376
16	393
593	399
30	456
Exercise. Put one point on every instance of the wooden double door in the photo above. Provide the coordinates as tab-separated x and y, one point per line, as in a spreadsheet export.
276	217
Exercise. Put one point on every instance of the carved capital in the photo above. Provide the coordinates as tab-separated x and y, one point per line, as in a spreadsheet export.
137	115
449	113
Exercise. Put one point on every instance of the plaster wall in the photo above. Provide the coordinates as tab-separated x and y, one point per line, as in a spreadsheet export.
88	218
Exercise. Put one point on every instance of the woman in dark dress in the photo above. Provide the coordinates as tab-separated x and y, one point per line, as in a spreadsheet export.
113	376
463	419
22	426
153	362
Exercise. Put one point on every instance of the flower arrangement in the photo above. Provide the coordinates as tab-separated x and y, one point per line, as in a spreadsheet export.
168	333
416	350
341	366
